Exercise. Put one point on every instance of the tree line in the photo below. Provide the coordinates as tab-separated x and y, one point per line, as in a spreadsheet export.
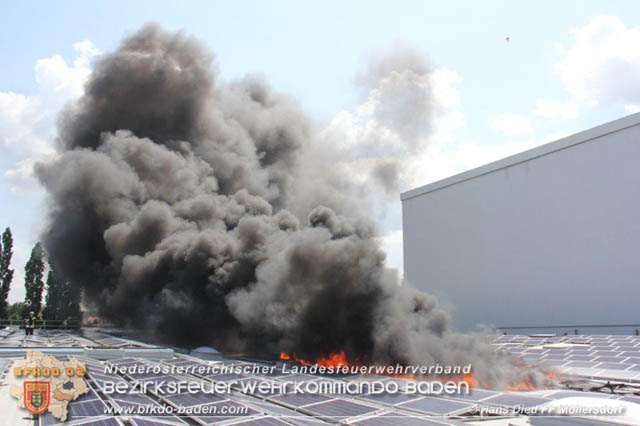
62	300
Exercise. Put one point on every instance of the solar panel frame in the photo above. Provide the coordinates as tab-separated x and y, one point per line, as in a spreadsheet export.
390	398
263	421
90	408
134	398
512	399
88	396
438	406
137	421
478	395
580	358
395	418
210	419
299	399
556	356
614	366
226	377
566	420
340	408
193	399
175	360
121	361
298	378
581	364
106	421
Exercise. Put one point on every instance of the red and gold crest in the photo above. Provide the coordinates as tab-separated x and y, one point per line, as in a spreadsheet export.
36	396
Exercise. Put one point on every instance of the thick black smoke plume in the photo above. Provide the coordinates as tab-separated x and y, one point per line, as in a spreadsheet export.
200	210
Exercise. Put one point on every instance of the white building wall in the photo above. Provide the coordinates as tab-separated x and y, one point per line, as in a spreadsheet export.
550	236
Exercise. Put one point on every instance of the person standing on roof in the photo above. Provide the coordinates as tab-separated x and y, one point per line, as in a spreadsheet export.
29	324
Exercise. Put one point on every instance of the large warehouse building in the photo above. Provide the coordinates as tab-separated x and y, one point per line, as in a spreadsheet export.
550	236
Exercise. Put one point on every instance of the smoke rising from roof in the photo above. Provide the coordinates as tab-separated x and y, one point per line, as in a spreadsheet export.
207	212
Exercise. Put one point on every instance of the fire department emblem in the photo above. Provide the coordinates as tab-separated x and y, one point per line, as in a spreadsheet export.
36	396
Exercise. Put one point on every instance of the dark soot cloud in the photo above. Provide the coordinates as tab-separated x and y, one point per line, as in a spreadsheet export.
195	209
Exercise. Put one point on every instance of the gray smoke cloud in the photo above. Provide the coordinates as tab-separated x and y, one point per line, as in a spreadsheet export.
398	82
205	211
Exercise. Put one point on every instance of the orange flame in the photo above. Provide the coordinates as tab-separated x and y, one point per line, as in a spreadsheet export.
524	386
339	359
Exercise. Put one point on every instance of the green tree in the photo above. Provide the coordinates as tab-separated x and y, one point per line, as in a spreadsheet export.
53	301
70	296
33	272
14	312
6	273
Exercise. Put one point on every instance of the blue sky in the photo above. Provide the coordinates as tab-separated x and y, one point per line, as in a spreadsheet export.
567	66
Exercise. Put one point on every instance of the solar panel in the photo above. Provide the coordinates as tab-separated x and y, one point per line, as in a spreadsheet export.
191	399
613	366
567	394
138	399
188	364
618	374
580	358
92	368
390	398
120	361
109	421
88	361
340	408
47	419
437	406
145	375
560	421
300	399
478	394
393	419
605	353
175	360
582	364
86	409
511	399
556	356
77	410
263	421
552	362
152	422
231	409
299	378
226	377
91	395
159	379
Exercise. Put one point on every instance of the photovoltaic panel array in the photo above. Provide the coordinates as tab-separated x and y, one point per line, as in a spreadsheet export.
87	410
606	357
577	354
339	409
392	419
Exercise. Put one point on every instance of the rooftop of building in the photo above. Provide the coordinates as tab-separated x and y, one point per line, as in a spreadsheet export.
603	368
546	149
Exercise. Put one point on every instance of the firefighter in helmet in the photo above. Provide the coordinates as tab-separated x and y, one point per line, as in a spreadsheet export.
29	324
